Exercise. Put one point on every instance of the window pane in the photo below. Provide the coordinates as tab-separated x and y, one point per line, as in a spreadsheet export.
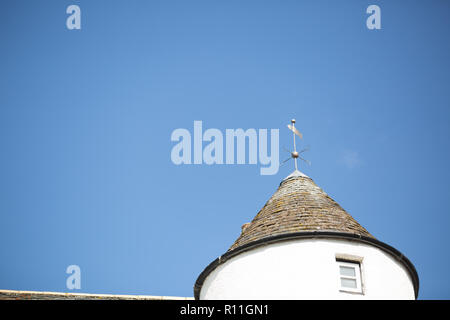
347	271
348	283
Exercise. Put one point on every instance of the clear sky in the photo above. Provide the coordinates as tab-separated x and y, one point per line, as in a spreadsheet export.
86	116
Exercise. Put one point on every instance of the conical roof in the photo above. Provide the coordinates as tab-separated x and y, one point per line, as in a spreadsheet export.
299	205
299	209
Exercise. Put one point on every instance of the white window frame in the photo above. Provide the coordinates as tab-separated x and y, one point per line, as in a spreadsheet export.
351	264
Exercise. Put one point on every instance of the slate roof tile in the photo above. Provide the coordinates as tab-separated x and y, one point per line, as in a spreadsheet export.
299	205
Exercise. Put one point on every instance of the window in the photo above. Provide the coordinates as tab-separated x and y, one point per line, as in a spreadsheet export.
349	276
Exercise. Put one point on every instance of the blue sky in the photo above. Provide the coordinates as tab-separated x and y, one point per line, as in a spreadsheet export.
86	118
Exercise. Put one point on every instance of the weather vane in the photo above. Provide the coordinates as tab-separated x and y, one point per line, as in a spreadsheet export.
294	154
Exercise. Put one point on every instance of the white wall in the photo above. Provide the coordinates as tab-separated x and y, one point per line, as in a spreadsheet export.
306	269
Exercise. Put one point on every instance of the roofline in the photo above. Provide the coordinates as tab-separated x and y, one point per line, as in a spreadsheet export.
309	235
53	295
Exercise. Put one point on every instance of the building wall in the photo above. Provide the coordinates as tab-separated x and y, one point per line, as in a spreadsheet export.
306	269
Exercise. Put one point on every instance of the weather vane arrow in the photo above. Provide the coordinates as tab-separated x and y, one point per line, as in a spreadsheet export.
294	154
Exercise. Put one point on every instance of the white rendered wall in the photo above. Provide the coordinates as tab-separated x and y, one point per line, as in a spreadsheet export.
306	269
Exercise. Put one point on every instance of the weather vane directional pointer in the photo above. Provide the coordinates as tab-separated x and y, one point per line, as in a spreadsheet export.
295	154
